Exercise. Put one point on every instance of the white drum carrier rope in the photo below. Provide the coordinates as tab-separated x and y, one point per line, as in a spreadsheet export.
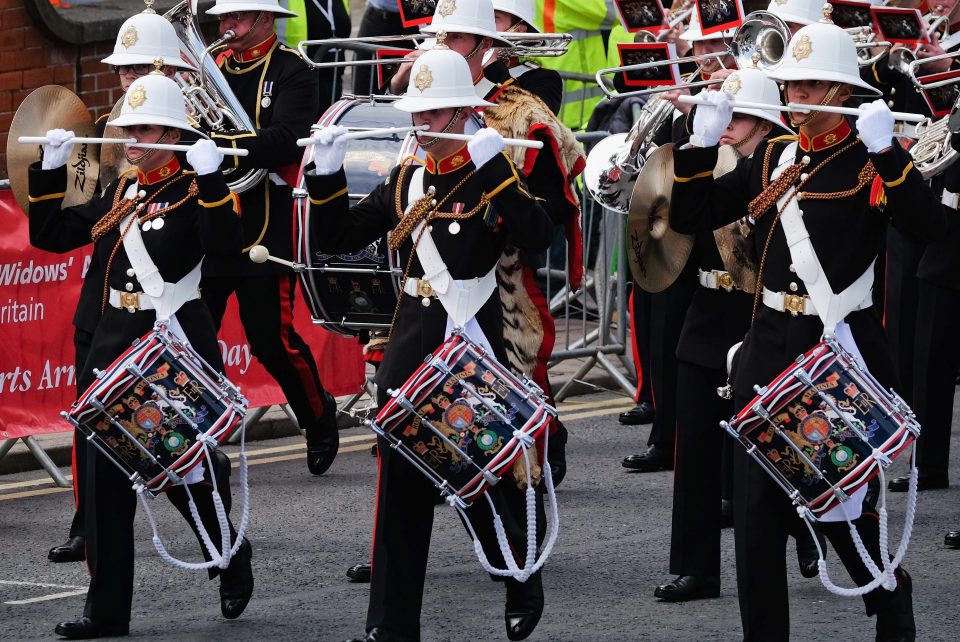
217	559
886	577
532	563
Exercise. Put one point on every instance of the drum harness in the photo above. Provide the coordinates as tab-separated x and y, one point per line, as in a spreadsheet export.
832	308
462	299
166	298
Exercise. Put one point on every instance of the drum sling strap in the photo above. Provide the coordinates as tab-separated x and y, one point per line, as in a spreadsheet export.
462	299
832	308
166	298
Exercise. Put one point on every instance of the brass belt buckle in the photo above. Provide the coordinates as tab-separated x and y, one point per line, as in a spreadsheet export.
793	304
725	281
130	301
424	288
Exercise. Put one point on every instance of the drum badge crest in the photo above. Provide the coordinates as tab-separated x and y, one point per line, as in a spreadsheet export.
423	79
803	48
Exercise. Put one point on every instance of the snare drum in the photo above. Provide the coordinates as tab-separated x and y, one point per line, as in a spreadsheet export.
462	419
823	426
153	408
347	293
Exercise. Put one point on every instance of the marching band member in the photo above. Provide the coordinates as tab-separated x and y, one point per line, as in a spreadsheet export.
848	187
518	16
184	215
279	93
717	318
475	202
140	40
797	13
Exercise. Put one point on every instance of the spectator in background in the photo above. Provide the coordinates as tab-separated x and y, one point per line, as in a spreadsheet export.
380	18
317	20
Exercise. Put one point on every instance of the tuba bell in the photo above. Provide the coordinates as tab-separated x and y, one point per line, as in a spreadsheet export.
207	94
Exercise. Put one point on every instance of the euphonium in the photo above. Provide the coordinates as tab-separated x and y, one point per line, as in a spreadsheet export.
208	96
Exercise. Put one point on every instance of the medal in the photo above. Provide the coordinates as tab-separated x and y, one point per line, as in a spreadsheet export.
157	223
146	227
454	228
265	102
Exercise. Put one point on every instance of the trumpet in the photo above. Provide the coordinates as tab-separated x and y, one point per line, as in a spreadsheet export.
760	40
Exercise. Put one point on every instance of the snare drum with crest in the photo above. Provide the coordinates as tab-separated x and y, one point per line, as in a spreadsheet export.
462	419
823	427
153	409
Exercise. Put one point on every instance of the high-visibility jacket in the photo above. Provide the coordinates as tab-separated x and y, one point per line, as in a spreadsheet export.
294	30
584	20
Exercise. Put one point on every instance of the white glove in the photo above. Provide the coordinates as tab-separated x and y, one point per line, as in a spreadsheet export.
711	120
57	152
484	145
875	124
204	157
330	150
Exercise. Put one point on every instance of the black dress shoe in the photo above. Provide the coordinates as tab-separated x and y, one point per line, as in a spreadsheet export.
359	573
557	455
689	587
524	606
323	438
933	481
952	539
651	460
895	621
808	558
73	550
642	413
726	513
236	582
221	470
87	629
376	634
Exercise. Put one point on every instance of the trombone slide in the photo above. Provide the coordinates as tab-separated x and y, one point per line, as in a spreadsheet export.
374	133
363	133
129	142
799	107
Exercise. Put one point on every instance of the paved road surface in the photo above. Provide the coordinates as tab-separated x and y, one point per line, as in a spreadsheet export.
306	531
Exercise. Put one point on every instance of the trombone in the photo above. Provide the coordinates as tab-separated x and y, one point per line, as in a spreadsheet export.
916	63
539	45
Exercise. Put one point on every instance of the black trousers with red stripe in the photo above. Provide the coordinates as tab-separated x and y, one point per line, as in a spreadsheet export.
266	311
81	346
639	303
763	518
402	528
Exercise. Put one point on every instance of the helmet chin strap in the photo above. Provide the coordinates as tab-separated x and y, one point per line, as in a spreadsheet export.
473	52
450	125
749	137
150	152
809	118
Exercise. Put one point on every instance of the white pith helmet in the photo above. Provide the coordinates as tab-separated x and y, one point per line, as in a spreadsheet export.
522	9
822	51
694	31
145	37
753	86
270	6
439	79
153	99
466	16
804	12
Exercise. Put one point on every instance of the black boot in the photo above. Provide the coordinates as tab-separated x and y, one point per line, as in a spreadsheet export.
642	413
323	439
87	629
689	587
73	550
376	634
653	459
895	620
930	481
557	454
807	556
524	606
236	582
359	573
952	539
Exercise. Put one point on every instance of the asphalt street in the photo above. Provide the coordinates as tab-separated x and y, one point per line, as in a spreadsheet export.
306	531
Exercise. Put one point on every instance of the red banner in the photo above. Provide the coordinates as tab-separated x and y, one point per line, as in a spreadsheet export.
38	295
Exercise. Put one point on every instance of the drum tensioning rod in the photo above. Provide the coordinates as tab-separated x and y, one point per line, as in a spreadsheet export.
777	476
111	456
406	405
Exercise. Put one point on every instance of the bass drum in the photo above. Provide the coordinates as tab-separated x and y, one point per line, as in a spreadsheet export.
348	293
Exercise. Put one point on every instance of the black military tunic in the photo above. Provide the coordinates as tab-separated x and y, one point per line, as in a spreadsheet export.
848	232
405	497
545	84
194	226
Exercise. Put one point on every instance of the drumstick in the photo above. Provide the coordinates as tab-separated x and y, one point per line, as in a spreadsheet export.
424	129
848	111
130	142
260	254
509	142
365	133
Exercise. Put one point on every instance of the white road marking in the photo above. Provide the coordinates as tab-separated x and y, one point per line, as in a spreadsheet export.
44	598
76	590
39	584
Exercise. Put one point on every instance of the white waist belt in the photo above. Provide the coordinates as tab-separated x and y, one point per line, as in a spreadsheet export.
171	299
950	199
466	296
716	280
801	304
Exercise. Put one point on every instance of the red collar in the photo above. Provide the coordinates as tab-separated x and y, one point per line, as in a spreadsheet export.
158	174
451	163
827	139
256	51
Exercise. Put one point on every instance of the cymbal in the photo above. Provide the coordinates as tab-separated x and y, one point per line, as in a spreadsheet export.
113	156
736	251
657	254
53	107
